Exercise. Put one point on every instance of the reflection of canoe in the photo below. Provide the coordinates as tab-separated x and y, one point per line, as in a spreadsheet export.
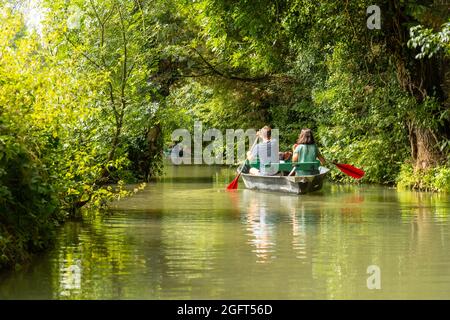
293	184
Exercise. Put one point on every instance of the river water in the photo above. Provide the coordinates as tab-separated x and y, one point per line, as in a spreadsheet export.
185	237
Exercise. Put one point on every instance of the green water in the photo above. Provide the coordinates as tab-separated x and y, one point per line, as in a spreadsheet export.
186	238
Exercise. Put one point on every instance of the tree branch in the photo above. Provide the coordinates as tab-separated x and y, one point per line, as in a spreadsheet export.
195	75
84	54
230	77
125	60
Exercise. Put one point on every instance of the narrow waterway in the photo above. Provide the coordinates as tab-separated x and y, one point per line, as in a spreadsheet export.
185	237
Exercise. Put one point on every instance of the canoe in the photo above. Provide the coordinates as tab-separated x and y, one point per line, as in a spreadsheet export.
298	184
292	184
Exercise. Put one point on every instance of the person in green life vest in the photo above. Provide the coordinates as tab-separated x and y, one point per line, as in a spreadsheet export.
305	150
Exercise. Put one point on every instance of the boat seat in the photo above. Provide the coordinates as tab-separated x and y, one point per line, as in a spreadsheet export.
287	166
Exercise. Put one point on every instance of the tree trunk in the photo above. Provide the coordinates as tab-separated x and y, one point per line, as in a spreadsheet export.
421	79
426	155
154	140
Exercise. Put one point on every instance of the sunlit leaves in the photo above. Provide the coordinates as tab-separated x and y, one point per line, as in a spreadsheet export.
430	42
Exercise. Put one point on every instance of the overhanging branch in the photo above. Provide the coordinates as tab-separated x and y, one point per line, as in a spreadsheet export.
229	76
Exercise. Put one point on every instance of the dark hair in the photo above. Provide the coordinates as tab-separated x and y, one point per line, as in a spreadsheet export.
266	132
306	137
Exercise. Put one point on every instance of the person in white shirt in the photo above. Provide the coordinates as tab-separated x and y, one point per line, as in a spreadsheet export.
266	152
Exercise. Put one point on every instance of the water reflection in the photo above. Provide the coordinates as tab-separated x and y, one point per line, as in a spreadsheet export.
261	230
70	282
299	243
190	239
352	208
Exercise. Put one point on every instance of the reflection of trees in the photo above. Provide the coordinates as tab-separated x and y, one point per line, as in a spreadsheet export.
194	241
219	176
109	260
426	217
190	255
342	243
31	282
197	235
187	245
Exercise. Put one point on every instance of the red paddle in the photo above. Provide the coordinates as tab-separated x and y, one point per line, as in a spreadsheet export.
234	184
350	170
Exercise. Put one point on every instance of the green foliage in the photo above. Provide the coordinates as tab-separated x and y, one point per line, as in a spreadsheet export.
55	137
360	115
324	70
113	42
28	200
434	179
429	42
28	193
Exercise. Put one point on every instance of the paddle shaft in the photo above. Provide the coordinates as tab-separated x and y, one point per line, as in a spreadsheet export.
234	183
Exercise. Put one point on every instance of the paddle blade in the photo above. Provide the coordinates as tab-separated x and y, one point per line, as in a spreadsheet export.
234	184
350	170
